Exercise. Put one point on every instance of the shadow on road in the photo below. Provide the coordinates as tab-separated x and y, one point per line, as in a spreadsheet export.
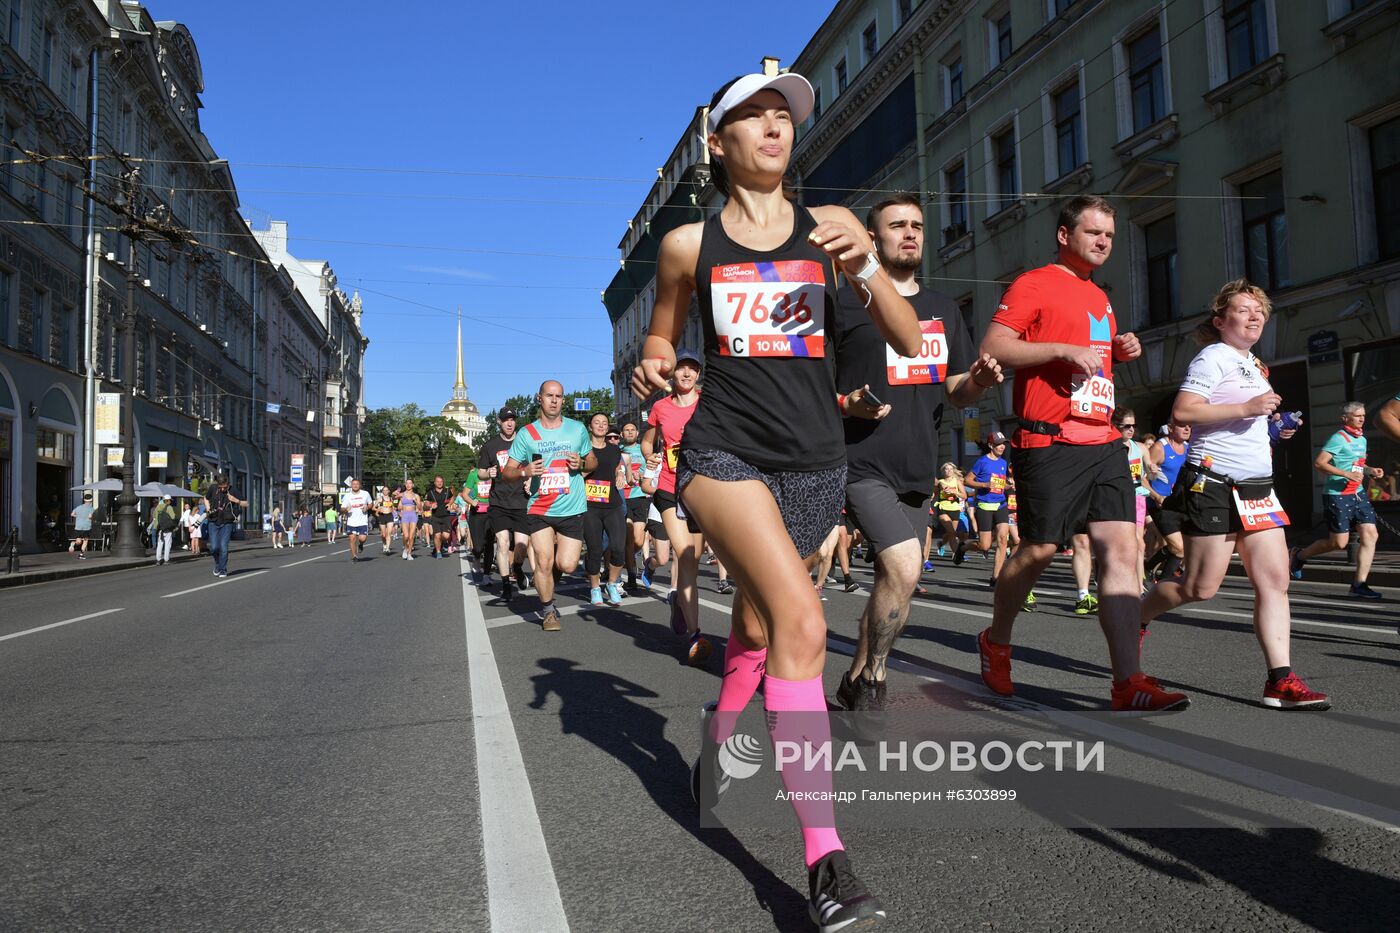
599	707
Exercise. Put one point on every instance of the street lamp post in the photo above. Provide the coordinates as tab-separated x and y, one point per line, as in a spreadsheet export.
128	541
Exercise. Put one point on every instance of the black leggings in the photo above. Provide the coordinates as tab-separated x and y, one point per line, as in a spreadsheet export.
481	537
595	522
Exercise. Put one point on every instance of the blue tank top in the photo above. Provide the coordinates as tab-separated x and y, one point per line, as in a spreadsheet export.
1171	465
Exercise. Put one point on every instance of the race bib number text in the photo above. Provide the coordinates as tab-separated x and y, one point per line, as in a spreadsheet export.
931	365
764	309
1091	398
1256	514
597	490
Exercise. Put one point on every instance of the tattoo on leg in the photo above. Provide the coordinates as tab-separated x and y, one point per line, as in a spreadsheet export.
883	632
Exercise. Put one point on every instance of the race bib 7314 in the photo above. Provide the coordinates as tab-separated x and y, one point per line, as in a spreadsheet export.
929	366
597	490
770	308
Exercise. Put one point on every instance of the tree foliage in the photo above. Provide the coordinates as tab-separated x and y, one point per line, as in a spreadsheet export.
528	410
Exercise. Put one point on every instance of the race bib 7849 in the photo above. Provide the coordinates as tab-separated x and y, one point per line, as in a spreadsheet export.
770	308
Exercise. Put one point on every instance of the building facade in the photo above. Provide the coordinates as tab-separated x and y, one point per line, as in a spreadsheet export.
339	382
99	121
1251	138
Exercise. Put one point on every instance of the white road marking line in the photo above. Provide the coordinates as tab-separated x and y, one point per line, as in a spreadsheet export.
1363	811
41	628
534	617
299	562
233	579
521	890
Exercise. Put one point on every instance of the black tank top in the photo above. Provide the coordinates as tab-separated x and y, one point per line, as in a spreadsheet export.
769	395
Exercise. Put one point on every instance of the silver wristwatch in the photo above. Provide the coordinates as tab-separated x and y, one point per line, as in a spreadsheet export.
867	271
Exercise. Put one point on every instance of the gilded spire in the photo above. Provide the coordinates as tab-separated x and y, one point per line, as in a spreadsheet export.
459	389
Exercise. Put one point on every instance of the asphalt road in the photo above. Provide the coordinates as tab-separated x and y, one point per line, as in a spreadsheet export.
316	745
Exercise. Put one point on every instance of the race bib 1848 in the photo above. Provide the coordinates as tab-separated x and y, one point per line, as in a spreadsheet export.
931	365
770	308
1257	514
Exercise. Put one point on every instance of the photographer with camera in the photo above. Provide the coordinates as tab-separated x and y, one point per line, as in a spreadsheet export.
221	521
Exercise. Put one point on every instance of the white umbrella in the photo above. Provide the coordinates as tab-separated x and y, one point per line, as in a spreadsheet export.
149	491
177	492
102	485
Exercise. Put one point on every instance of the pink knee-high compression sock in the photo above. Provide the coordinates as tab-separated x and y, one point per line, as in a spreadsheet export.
797	713
743	672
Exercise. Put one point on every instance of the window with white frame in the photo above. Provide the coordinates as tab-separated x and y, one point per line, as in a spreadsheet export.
869	43
1003	161
955	220
840	77
1257	213
1063	119
1159	275
1385	185
1240	35
816	102
953	85
1142	74
998	35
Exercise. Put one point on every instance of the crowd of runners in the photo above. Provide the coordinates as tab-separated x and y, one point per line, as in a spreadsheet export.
806	432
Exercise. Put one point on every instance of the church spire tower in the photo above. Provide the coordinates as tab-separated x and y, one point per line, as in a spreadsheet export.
459	388
470	424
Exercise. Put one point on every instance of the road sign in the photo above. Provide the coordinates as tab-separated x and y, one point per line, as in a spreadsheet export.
582	404
298	459
294	487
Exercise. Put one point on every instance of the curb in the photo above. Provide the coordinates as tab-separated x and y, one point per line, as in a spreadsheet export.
101	565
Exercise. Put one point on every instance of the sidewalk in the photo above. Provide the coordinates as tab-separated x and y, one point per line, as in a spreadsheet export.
60	565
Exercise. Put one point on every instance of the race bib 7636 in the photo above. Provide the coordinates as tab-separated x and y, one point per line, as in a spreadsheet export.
770	308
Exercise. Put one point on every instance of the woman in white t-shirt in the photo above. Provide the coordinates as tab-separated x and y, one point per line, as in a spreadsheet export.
1225	490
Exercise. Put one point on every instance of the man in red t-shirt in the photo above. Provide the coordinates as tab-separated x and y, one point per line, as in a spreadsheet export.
1056	329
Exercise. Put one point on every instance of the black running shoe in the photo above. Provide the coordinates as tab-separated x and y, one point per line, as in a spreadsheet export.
960	555
850	586
724	588
505	589
522	582
861	695
838	900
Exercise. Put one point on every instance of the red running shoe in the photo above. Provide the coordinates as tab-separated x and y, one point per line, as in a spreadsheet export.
1292	693
996	665
1142	694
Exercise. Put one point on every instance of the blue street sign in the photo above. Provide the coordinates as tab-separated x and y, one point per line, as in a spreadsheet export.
581	404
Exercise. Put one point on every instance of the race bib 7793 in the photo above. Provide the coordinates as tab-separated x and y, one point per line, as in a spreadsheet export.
770	308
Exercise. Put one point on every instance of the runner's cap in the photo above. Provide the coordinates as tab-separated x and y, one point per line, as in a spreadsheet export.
687	356
506	414
793	87
996	438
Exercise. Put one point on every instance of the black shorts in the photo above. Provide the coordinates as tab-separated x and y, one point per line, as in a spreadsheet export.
442	524
666	501
1212	510
637	509
565	526
810	502
989	519
885	517
501	519
1060	489
1168	521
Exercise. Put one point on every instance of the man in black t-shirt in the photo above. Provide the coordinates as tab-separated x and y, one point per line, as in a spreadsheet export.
438	502
892	448
508	500
221	521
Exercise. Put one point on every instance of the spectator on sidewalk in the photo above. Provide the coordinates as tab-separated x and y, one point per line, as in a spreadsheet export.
163	525
221	522
1342	461
82	526
305	528
332	522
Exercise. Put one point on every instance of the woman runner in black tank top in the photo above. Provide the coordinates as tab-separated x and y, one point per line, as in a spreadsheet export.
762	462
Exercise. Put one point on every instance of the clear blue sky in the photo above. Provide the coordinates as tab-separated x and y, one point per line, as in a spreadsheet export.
590	91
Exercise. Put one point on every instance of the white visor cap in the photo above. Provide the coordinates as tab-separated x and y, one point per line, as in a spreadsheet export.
794	88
